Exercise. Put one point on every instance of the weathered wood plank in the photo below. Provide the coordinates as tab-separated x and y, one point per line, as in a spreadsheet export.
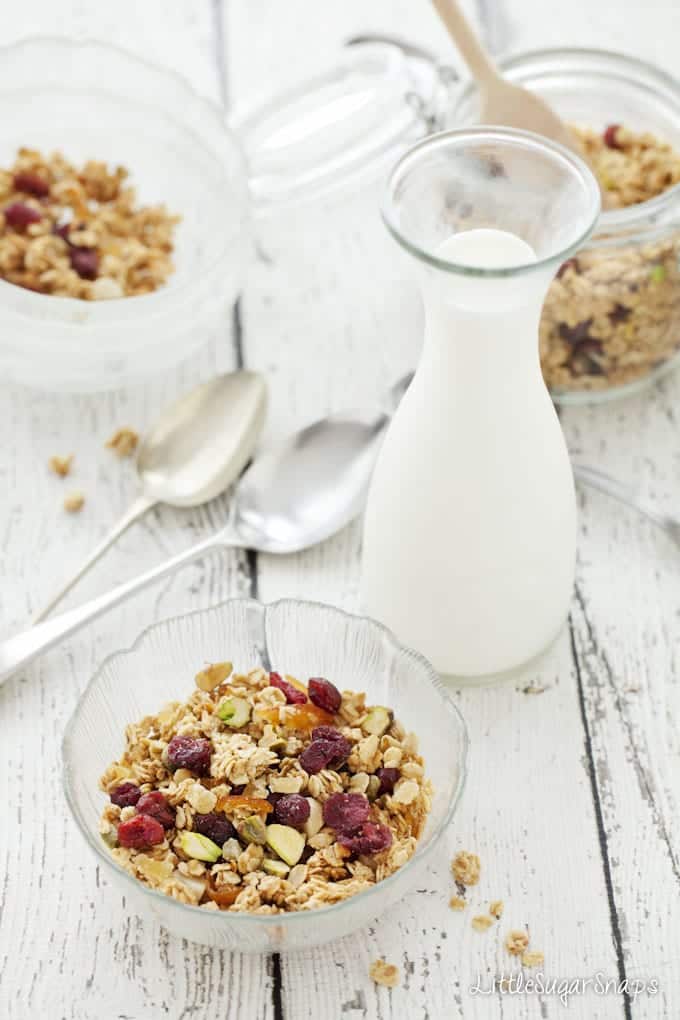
70	946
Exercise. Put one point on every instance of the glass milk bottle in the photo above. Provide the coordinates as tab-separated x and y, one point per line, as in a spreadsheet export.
470	529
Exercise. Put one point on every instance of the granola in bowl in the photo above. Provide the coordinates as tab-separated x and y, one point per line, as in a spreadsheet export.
79	232
260	794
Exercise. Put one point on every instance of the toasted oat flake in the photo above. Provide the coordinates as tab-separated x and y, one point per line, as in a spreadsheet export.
532	959
213	675
496	909
386	974
465	867
482	922
123	442
516	942
74	502
61	465
457	903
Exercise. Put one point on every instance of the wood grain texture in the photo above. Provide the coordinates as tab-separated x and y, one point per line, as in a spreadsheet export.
573	796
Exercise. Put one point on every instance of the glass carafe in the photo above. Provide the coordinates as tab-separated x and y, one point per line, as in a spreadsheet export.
470	530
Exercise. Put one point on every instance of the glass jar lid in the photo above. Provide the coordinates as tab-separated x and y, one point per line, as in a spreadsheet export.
340	126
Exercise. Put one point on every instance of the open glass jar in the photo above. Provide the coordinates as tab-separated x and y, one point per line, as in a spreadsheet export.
611	320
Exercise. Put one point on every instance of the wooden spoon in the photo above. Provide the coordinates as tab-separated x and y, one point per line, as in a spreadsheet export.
501	102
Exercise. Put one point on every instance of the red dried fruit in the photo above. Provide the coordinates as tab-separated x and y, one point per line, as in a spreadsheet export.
293	695
318	755
346	812
388	778
31	183
192	753
292	809
156	806
371	838
343	746
216	827
326	733
62	230
125	795
20	215
140	832
609	136
85	261
324	695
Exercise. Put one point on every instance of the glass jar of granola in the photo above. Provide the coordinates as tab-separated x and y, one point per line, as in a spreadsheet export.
611	319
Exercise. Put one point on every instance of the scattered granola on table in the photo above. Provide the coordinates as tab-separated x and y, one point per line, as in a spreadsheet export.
465	867
516	942
74	502
264	795
123	442
386	974
78	231
482	922
533	958
496	909
612	313
61	465
457	903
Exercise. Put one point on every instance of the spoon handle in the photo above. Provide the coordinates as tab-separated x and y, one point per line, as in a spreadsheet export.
23	648
137	510
469	46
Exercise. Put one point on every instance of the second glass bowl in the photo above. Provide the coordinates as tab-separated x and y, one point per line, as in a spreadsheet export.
611	320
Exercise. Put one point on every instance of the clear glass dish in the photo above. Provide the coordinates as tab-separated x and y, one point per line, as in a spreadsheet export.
611	320
94	101
302	638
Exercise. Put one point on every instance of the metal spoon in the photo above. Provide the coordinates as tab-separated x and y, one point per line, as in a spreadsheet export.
198	447
299	492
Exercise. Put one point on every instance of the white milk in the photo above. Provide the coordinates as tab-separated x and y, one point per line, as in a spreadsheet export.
470	530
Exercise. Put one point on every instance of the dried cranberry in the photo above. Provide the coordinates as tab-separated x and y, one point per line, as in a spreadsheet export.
346	812
85	261
125	795
293	695
293	810
32	183
192	753
619	313
388	778
609	136
216	827
62	230
140	832
19	215
371	838
575	334
156	806
318	755
342	745
324	695
236	791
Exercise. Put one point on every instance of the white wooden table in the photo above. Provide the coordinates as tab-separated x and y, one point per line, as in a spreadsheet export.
573	796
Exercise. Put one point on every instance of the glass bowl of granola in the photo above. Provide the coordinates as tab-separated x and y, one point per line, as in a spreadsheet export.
124	221
611	319
273	801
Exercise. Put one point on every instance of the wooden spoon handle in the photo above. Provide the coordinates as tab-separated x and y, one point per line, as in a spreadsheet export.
469	46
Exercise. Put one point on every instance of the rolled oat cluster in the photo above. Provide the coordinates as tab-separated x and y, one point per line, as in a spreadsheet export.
261	794
79	232
612	314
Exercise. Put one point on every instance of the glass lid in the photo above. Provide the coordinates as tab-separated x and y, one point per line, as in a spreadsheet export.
339	126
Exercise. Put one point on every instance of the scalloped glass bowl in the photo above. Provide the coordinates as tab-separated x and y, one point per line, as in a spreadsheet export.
304	639
94	101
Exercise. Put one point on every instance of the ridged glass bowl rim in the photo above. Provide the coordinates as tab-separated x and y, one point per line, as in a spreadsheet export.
492	135
293	917
104	312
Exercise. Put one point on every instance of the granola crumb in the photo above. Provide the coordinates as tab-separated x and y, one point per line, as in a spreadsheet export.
212	676
516	942
383	973
61	465
457	903
482	922
124	442
533	689
496	909
532	959
465	868
74	502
